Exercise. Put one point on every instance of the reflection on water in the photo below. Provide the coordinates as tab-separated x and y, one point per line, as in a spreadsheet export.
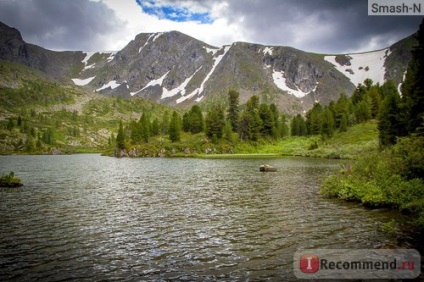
86	217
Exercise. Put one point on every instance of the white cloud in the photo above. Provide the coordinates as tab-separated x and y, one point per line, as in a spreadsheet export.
220	32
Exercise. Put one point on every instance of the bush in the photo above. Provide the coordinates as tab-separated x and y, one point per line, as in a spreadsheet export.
9	180
391	178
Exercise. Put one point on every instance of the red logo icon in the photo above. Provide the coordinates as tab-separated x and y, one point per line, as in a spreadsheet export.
309	263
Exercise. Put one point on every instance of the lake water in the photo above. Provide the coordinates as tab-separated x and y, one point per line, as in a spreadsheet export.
87	218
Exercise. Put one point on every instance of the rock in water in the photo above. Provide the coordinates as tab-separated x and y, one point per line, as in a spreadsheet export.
267	168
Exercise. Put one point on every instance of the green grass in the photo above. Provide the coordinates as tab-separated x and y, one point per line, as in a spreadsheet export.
359	140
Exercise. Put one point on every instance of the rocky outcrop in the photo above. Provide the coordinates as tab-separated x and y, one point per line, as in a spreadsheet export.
267	168
58	65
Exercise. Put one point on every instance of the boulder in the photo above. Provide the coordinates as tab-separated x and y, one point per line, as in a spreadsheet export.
267	168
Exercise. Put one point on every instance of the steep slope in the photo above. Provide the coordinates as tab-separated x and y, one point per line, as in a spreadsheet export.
58	65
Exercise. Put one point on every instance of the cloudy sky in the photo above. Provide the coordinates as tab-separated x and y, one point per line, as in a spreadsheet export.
324	26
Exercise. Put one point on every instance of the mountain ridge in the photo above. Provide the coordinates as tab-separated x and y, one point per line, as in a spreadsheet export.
178	70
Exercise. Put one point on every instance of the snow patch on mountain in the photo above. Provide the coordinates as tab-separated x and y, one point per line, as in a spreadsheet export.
88	56
153	82
199	90
111	56
210	50
145	44
112	84
82	82
280	81
268	50
180	89
157	35
363	66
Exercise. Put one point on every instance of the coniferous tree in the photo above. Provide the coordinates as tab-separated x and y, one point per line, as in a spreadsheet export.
374	95
298	126
155	127
144	124
120	137
327	123
388	119
267	120
284	127
186	122
340	109
252	107
174	127
276	118
244	126
233	110
196	119
215	122
314	119
413	88
165	122
343	124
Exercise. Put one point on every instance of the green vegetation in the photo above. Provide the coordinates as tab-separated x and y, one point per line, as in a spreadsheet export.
10	180
42	117
394	175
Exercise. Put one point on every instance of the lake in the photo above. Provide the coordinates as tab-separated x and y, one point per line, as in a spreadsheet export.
88	218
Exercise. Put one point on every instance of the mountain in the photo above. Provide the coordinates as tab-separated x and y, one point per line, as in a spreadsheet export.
177	70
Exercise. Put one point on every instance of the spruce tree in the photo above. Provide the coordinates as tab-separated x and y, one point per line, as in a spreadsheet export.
195	119
174	130
327	123
413	88
343	124
267	120
233	110
155	127
252	107
215	122
120	137
388	119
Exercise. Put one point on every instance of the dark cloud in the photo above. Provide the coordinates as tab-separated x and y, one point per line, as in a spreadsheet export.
325	26
328	26
61	25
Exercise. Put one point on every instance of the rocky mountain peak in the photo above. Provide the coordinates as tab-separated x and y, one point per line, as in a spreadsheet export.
175	69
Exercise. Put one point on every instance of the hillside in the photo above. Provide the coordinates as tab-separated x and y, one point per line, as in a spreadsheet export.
38	115
177	70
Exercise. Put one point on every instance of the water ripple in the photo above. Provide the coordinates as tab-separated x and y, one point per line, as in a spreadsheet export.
92	218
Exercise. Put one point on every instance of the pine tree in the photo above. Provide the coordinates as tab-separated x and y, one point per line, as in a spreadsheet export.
276	118
120	137
343	124
174	127
144	124
165	122
314	119
298	126
284	127
267	120
233	110
413	88
215	122
327	123
252	107
388	119
196	119
186	122
244	126
155	127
